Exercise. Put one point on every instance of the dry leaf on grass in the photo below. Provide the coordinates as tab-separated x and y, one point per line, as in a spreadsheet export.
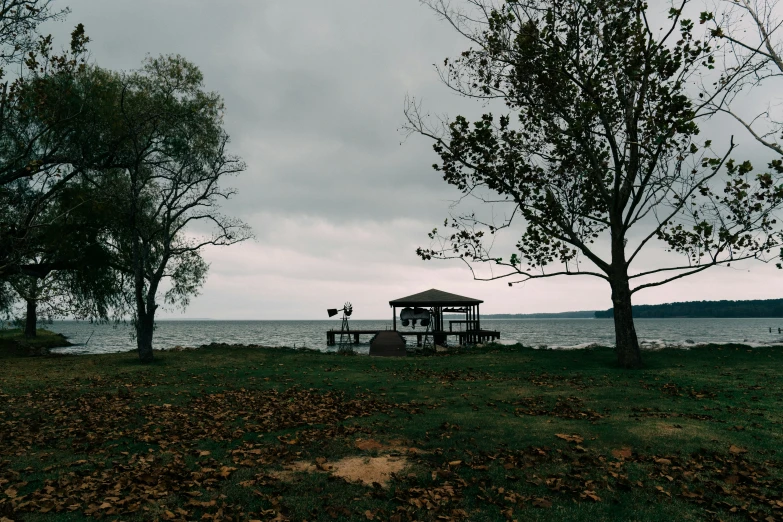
570	438
368	444
542	502
622	453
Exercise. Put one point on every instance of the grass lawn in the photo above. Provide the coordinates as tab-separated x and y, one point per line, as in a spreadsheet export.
500	433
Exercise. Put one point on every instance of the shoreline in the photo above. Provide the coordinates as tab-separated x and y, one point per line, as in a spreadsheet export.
456	350
554	334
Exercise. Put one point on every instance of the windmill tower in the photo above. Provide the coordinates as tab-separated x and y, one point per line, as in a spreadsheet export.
346	342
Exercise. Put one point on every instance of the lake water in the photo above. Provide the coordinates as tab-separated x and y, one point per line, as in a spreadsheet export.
552	333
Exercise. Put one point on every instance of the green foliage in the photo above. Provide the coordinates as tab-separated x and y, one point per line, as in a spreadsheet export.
599	136
104	176
52	132
66	267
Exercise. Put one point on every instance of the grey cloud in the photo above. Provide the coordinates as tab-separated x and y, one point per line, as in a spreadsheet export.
314	94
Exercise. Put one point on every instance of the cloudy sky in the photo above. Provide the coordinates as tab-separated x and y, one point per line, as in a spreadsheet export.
338	198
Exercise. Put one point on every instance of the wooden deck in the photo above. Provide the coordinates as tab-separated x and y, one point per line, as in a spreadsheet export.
463	337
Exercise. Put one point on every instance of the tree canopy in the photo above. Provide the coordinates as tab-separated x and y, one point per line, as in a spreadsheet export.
167	196
596	151
110	183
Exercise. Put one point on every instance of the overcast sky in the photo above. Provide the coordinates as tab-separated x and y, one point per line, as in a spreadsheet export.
338	198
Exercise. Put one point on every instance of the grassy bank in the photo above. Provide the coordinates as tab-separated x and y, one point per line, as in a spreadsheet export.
233	433
13	343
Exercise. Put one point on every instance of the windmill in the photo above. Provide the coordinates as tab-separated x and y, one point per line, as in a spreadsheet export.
345	344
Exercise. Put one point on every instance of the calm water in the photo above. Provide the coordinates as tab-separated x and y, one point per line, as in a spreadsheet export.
552	333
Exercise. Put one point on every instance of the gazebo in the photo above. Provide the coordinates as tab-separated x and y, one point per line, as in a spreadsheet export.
440	302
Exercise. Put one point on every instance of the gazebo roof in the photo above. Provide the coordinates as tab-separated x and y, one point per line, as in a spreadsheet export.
433	297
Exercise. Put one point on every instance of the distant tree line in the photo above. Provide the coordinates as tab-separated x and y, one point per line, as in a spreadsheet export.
753	308
110	182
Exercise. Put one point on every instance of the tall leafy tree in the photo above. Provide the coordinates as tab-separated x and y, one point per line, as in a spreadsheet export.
66	269
54	127
596	151
167	199
19	41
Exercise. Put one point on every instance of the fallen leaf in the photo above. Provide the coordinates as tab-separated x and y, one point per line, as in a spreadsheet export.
622	453
368	444
570	438
542	502
591	495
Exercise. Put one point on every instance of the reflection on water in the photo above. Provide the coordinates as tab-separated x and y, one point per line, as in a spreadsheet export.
552	333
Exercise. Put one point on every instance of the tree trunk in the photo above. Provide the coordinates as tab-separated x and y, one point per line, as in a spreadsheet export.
31	322
628	353
145	324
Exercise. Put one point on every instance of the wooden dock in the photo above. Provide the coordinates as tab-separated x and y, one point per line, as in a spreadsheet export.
463	337
427	308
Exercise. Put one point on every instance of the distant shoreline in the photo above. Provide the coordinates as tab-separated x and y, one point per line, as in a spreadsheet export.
748	309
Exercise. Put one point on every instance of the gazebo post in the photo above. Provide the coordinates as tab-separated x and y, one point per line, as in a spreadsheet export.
467	323
473	323
441	336
394	317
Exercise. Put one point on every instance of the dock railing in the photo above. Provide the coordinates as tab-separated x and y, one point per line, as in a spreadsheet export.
471	324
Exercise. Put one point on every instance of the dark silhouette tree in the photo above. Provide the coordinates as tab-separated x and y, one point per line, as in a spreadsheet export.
598	139
752	33
67	270
54	127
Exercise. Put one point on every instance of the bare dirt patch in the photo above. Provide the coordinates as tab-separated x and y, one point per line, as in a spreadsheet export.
367	470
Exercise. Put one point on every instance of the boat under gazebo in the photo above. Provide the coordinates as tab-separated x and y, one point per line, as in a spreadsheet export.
436	303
